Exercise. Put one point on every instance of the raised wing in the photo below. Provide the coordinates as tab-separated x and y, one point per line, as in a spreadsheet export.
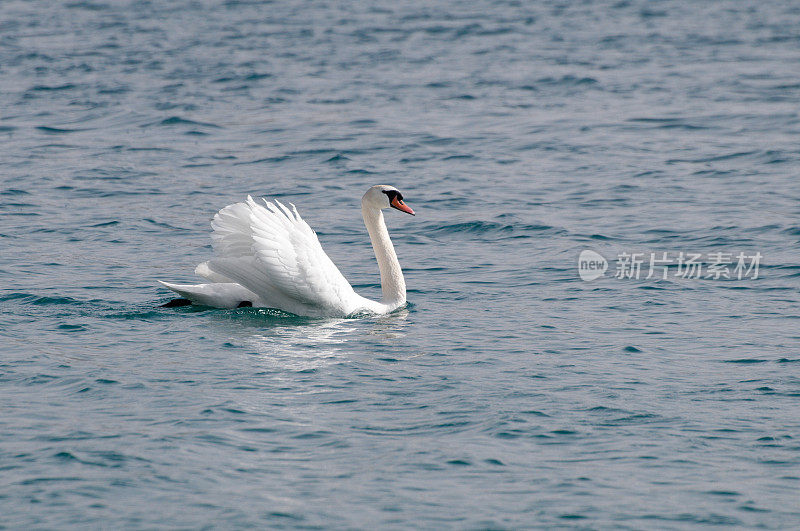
272	252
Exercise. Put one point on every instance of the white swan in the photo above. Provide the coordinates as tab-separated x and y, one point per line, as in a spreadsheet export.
267	256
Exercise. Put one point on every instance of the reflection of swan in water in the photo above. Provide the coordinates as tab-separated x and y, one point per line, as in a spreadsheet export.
312	344
390	326
267	256
303	347
384	333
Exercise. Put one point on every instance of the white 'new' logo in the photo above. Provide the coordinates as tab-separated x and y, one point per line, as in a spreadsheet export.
591	265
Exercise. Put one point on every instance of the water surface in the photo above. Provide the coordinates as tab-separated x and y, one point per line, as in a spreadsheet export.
510	393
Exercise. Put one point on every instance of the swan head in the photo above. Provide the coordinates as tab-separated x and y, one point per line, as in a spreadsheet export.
383	196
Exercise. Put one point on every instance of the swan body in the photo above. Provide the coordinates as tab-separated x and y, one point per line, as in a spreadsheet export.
267	256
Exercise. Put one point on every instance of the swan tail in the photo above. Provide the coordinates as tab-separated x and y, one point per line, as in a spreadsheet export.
218	294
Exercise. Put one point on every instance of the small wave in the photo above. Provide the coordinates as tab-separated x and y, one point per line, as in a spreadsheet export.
474	227
37	300
163	225
177	120
239	78
72	328
50	88
89	6
280	158
57	130
15	296
668	123
489	227
567	80
137	315
716	158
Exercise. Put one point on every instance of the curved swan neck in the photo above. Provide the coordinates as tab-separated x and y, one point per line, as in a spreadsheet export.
393	284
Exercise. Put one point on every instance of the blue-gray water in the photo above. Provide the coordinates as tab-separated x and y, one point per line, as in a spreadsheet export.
510	393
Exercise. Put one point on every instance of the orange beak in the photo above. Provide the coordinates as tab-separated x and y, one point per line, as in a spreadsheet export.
399	205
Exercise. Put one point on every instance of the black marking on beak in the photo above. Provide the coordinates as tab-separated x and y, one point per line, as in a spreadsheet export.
392	194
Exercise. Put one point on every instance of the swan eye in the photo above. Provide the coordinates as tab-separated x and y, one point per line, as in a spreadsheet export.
392	194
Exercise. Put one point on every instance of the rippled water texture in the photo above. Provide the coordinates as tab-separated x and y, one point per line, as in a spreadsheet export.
510	393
